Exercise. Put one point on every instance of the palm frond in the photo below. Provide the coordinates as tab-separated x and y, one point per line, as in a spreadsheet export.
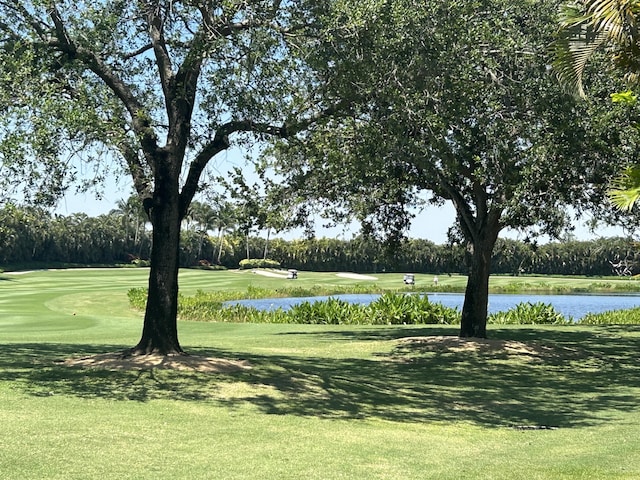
625	189
616	17
585	27
572	52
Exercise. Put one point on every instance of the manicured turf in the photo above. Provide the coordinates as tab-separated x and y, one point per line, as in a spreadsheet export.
320	402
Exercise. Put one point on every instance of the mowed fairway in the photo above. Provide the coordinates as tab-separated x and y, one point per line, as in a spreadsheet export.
319	402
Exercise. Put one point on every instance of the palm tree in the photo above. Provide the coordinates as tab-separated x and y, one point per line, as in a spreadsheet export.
225	220
133	216
588	26
203	218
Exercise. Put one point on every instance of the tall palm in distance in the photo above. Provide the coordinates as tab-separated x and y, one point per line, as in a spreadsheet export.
213	214
226	222
134	219
587	27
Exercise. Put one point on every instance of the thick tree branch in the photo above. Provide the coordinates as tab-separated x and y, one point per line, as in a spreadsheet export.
481	201
467	222
221	142
163	61
140	122
61	31
184	91
141	180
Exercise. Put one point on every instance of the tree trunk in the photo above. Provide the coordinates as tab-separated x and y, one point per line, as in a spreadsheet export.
202	235
220	240
266	244
160	330
476	298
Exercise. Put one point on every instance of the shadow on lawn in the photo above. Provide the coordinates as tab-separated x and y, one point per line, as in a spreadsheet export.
586	377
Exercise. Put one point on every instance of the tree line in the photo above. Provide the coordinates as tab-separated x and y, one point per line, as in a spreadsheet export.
31	235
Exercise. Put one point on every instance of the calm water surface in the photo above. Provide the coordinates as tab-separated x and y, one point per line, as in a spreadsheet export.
575	306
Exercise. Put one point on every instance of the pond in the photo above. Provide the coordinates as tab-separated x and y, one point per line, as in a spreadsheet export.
576	306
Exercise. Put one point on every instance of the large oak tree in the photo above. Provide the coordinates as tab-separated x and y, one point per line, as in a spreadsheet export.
456	99
157	88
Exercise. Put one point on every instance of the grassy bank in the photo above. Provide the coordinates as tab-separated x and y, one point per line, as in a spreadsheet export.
325	402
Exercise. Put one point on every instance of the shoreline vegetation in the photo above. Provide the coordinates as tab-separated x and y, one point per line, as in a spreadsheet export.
395	307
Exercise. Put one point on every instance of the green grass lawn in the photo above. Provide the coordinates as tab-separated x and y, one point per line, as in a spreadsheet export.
319	402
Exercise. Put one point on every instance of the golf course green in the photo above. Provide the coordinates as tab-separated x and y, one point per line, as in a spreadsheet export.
308	401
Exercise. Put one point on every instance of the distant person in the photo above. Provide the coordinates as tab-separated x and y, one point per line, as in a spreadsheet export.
435	281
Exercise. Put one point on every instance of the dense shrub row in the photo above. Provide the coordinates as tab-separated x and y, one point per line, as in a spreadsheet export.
388	309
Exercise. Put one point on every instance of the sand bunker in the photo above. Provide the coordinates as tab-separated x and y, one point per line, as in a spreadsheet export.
267	273
356	276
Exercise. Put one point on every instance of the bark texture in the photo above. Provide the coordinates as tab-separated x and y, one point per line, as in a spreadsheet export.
481	231
476	298
160	330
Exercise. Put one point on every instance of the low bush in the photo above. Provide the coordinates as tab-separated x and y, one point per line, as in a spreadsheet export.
139	262
613	317
332	311
394	309
244	314
198	307
137	298
527	313
389	309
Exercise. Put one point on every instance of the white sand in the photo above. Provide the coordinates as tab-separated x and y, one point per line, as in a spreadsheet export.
270	274
356	276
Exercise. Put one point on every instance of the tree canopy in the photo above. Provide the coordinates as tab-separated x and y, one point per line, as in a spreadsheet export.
456	99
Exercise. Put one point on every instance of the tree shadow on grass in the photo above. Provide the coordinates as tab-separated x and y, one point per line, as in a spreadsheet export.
580	378
39	369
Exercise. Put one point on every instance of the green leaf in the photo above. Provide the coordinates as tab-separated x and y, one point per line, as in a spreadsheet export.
625	190
627	97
